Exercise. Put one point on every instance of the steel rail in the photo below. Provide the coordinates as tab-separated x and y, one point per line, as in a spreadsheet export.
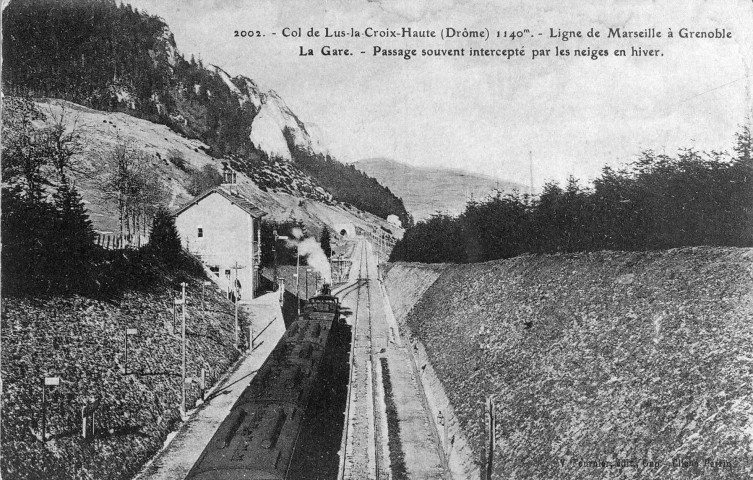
347	432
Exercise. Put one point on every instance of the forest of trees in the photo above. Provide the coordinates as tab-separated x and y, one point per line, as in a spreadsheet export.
350	185
657	202
110	56
86	51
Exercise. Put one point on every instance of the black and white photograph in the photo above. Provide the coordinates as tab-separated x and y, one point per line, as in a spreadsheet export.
376	240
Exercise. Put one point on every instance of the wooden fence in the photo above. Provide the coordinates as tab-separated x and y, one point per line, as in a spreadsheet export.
111	241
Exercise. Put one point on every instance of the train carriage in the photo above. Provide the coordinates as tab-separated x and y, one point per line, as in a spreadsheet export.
258	439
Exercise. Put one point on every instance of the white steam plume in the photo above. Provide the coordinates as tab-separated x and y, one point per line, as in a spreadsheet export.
310	249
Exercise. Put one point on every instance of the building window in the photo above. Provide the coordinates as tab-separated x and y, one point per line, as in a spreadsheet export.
200	233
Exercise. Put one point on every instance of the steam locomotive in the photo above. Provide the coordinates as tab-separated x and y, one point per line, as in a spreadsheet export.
258	438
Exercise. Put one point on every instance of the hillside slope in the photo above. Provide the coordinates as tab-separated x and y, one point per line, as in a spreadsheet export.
598	358
426	191
279	188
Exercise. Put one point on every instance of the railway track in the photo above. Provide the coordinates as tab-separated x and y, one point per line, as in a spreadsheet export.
390	430
362	454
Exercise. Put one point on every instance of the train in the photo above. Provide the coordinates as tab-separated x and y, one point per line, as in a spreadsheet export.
257	440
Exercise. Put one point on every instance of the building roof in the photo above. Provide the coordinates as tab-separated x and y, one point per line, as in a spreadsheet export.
236	199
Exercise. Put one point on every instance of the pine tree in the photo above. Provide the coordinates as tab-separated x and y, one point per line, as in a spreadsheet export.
75	238
325	242
28	225
744	145
164	241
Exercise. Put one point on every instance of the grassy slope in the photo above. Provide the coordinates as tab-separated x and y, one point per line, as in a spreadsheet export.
638	356
81	341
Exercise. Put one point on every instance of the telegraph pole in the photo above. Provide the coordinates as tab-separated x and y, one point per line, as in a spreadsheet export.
297	280
256	274
274	257
236	267
307	283
274	252
183	354
530	170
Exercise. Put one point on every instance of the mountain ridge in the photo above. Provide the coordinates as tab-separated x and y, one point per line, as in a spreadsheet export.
428	190
392	161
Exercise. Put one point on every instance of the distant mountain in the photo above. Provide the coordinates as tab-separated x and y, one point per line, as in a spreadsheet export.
426	191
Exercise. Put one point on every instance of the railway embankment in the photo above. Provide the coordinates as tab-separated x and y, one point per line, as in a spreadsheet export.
606	364
81	341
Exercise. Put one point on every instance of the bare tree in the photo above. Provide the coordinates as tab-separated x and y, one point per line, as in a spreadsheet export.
63	142
23	152
151	194
132	186
30	152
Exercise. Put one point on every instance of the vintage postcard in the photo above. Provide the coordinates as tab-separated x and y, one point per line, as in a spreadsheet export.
383	239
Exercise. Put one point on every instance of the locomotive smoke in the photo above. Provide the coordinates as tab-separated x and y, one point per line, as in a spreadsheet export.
310	249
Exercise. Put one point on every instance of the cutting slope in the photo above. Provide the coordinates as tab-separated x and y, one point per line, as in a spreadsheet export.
407	284
81	341
595	359
426	191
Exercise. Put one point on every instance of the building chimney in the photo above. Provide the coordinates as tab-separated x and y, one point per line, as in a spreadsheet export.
229	178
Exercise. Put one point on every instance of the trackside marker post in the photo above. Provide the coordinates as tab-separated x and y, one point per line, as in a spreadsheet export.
251	337
491	422
48	382
203	290
129	331
87	418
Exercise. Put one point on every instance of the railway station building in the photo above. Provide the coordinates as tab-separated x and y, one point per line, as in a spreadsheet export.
221	228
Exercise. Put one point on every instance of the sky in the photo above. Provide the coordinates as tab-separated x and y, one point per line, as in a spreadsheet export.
494	116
